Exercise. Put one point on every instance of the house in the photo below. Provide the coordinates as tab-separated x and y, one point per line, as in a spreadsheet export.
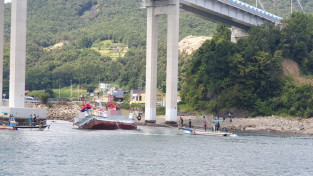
118	95
104	87
139	96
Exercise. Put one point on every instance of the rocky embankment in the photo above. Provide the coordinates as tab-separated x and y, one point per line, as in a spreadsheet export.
61	112
271	124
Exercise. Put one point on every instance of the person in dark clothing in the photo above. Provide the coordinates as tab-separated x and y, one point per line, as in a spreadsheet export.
189	123
217	127
230	117
204	125
181	121
34	119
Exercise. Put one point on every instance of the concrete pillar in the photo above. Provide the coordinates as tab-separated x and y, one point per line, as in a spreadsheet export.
172	63
151	65
18	53
237	33
1	46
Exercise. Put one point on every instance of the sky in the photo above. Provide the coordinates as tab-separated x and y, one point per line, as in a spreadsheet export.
5	1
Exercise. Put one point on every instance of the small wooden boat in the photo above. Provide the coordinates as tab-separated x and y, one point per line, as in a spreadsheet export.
37	127
204	133
11	124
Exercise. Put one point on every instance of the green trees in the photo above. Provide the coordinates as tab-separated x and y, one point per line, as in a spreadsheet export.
248	75
206	76
297	40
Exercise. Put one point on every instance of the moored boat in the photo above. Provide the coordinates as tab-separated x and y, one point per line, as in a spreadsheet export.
95	118
11	124
37	127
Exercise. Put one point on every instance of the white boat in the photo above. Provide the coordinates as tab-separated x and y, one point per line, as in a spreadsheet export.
204	133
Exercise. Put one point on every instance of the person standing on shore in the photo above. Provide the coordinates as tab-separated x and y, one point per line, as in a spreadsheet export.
217	127
37	120
181	121
204	125
230	117
30	120
189	123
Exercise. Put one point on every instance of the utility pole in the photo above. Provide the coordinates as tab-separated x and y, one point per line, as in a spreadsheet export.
71	89
291	6
300	5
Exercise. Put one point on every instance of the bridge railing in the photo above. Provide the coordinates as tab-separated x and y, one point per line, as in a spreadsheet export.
254	9
156	3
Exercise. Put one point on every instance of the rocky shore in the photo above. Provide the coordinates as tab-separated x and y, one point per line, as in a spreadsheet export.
61	112
270	124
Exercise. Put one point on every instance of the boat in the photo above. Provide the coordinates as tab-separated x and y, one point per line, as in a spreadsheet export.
37	127
93	117
11	124
203	133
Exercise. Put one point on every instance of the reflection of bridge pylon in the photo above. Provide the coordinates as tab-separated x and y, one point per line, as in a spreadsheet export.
155	8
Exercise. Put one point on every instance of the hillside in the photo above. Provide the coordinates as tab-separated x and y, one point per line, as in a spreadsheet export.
190	44
291	68
67	43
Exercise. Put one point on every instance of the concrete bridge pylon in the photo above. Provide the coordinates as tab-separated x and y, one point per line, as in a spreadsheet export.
154	10
1	47
18	53
17	63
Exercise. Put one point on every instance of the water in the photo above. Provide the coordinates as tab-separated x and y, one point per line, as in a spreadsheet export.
62	150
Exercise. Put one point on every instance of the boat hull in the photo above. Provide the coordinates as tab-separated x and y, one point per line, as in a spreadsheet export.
38	128
109	125
8	128
204	133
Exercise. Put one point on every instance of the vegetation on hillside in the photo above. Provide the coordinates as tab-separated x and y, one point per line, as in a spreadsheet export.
86	26
248	75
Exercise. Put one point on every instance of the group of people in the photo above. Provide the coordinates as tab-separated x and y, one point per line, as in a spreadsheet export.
33	119
215	126
182	122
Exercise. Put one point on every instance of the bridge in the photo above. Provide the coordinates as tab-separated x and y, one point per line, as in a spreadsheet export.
17	60
230	12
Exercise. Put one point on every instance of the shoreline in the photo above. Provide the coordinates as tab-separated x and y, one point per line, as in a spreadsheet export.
268	124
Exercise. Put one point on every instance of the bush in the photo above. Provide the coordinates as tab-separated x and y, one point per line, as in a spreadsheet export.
44	97
136	106
124	106
160	110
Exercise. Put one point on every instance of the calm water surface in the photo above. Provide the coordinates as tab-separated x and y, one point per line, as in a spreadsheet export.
62	150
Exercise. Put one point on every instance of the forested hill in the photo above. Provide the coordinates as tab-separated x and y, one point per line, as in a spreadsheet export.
87	32
83	25
52	21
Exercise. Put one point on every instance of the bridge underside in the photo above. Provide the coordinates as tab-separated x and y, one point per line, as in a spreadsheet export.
229	13
213	16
